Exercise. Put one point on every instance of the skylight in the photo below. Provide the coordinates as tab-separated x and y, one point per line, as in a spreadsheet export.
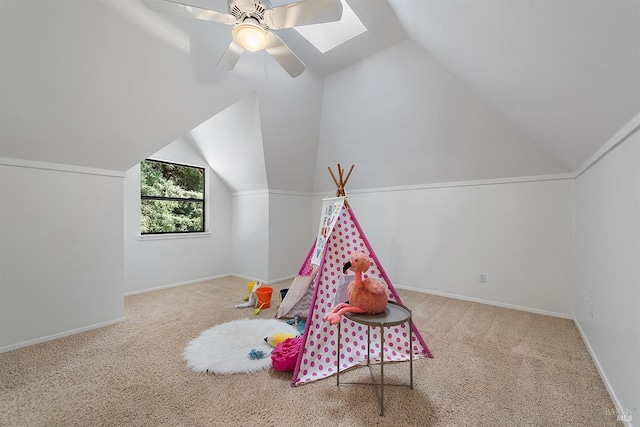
332	34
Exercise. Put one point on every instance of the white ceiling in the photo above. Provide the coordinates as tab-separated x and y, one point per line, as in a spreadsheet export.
105	83
567	72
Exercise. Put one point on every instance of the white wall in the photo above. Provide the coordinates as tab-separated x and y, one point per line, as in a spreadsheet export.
269	242
250	235
153	262
403	119
61	257
231	143
607	242
290	115
289	216
440	239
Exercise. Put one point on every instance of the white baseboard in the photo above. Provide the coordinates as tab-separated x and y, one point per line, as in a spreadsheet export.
425	291
266	282
596	362
247	278
59	335
204	279
280	279
173	285
482	301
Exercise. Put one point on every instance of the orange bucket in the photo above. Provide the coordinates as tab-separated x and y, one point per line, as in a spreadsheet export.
264	296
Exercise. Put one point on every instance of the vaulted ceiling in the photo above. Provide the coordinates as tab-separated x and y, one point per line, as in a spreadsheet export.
435	91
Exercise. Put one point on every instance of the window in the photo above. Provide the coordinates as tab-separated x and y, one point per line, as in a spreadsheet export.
172	198
328	35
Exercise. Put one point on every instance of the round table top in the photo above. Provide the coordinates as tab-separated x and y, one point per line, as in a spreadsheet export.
394	314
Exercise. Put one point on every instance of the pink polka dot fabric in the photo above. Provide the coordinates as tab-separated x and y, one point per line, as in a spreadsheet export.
318	356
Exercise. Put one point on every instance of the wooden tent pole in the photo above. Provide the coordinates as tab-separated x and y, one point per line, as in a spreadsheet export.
335	181
348	175
341	182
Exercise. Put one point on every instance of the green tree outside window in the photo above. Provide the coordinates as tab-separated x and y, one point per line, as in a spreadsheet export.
172	198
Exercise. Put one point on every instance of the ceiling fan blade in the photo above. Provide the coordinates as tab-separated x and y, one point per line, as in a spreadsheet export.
230	57
305	12
175	8
285	57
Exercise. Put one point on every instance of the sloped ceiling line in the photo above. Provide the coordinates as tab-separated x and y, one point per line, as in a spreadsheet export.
231	143
566	72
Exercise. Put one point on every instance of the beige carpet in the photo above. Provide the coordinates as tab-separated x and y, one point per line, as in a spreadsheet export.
492	367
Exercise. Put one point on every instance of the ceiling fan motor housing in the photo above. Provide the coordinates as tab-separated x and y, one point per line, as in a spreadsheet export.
243	9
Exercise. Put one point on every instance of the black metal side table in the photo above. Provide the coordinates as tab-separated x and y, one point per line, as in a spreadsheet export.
395	314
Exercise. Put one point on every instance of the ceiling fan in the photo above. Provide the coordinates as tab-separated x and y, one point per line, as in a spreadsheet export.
253	24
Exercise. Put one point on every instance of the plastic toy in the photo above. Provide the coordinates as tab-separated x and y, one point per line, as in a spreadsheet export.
276	339
252	300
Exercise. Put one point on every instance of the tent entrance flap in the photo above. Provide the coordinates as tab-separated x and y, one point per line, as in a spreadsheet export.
298	298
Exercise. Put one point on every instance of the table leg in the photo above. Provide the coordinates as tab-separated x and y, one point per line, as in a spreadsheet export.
368	345
381	370
411	352
338	361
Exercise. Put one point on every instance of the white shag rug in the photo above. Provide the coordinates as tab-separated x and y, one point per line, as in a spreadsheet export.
225	348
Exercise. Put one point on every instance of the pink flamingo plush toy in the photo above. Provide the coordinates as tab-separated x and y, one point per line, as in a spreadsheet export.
365	296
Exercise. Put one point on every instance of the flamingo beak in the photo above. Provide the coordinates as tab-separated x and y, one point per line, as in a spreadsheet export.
346	267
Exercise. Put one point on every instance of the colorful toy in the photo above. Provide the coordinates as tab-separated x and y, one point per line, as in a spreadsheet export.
276	339
250	286
257	310
285	355
256	354
365	296
252	300
299	323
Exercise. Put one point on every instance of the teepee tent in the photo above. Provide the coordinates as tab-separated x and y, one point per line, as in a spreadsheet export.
339	236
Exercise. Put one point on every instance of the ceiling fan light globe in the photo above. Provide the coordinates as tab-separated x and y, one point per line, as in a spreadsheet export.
250	36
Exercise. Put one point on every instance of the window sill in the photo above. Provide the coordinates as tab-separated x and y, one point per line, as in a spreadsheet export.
173	236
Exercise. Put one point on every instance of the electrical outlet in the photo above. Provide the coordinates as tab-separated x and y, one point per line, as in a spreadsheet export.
483	278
